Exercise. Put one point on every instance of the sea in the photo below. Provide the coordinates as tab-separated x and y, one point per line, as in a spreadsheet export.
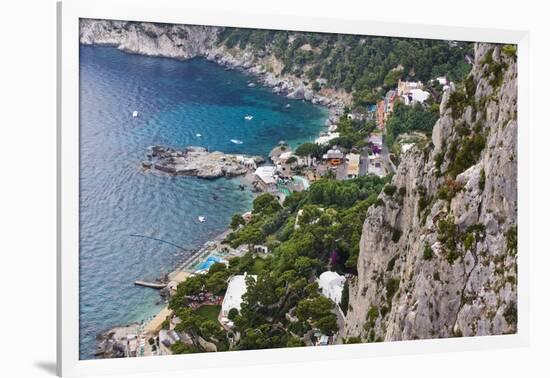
137	225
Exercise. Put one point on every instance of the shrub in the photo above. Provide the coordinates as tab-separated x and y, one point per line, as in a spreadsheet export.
467	155
232	314
493	71
428	252
392	285
457	103
481	182
448	190
344	300
390	190
468	241
511	314
448	234
512	240
510	51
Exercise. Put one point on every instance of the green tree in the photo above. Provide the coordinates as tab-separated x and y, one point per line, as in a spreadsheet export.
217	282
236	221
266	203
232	314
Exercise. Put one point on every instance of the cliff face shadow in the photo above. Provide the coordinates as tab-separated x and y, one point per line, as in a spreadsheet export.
47	366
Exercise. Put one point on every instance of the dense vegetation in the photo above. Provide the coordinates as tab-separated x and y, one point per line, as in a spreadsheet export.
366	66
405	119
313	231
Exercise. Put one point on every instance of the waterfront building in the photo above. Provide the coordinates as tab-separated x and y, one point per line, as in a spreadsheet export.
266	177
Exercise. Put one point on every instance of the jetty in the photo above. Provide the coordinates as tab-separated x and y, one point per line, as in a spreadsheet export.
152	285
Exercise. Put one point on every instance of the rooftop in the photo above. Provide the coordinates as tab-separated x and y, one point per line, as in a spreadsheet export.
266	173
235	290
332	285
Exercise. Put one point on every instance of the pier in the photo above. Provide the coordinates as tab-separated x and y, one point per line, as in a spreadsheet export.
152	285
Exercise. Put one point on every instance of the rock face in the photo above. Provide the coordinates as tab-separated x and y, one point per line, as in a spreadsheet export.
189	41
438	254
166	40
197	161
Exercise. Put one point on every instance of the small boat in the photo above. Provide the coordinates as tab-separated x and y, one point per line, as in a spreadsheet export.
198	135
135	113
248	117
215	197
241	187
202	219
251	85
287	106
236	141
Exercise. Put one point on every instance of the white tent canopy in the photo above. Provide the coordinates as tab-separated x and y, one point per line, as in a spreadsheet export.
332	285
235	291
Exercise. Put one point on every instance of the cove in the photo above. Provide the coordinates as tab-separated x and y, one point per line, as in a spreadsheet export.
179	103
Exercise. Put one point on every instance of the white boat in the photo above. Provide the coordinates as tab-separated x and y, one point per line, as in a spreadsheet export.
135	113
198	135
202	219
251	85
287	106
248	117
236	141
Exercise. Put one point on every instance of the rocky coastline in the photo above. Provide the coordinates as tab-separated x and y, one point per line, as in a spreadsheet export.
199	162
189	41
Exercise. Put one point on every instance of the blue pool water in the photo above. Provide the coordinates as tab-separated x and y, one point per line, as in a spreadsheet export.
206	264
136	225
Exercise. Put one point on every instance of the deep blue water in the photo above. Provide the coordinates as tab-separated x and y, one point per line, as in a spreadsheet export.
176	100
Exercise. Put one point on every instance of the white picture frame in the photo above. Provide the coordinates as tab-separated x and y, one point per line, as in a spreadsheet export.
173	11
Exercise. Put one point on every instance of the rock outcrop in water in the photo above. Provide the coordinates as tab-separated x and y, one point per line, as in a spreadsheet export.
438	254
189	41
199	162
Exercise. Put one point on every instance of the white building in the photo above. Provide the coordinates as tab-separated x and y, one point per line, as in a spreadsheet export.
375	165
233	296
411	92
332	285
325	138
266	176
416	95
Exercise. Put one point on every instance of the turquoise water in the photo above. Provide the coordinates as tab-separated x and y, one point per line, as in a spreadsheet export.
206	264
136	225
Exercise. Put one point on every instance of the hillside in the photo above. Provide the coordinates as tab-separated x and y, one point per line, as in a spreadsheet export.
330	69
438	255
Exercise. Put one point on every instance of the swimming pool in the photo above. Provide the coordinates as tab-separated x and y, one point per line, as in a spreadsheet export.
206	264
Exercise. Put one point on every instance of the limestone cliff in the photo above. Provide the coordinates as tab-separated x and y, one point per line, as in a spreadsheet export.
438	252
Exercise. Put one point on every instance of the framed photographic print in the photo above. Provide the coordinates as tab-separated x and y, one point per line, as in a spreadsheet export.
238	188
